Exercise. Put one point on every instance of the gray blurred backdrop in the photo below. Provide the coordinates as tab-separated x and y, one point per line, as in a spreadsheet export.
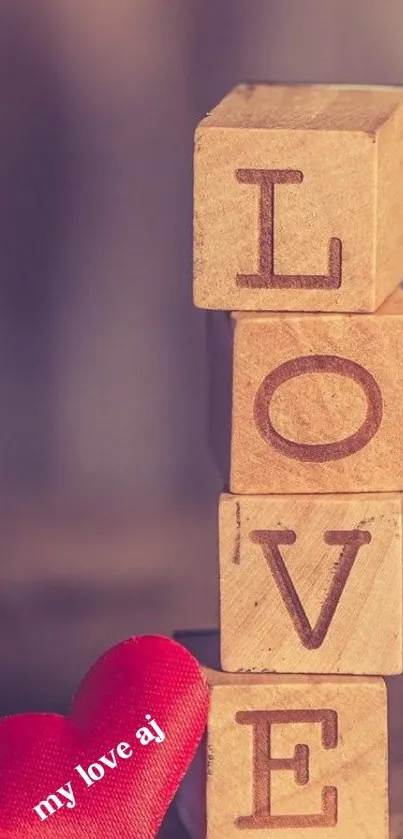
107	490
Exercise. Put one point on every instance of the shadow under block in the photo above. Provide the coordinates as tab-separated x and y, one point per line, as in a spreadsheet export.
299	199
311	584
317	402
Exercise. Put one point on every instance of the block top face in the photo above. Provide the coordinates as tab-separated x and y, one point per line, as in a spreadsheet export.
298	200
306	108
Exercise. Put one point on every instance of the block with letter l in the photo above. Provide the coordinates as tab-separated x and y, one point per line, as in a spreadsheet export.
299	199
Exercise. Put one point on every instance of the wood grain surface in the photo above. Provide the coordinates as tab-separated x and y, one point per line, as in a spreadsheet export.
298	199
316	402
319	744
311	584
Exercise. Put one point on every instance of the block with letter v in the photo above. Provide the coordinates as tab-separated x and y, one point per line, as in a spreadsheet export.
311	637
311	584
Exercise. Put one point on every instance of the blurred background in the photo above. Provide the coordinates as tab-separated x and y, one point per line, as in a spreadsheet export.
108	492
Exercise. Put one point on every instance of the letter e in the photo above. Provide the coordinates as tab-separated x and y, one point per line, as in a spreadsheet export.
122	748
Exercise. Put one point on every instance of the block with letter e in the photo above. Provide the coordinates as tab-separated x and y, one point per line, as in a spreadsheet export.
295	756
299	199
315	402
356	764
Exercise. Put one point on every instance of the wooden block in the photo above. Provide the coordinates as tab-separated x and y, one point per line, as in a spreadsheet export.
299	199
305	581
301	752
316	402
191	799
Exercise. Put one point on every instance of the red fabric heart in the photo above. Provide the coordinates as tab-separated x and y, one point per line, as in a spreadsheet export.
39	753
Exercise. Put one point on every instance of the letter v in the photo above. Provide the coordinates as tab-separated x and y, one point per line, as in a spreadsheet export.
311	637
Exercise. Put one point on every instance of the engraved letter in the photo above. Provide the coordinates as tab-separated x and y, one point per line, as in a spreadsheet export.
311	637
264	764
266	278
318	364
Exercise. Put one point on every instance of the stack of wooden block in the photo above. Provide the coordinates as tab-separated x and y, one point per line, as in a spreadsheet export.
299	233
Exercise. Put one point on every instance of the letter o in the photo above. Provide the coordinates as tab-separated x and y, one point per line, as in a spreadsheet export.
318	364
94	775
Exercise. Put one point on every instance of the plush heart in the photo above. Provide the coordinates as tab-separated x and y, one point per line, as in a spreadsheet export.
39	753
